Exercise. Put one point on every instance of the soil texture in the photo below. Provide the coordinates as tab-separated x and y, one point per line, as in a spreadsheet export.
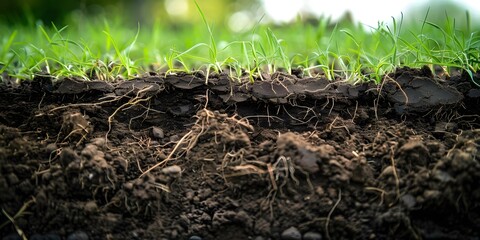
180	156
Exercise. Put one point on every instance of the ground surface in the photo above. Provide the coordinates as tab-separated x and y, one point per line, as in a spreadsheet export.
170	157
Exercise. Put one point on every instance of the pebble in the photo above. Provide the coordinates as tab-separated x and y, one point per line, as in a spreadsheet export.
128	185
90	207
312	236
79	235
408	200
174	138
157	133
443	176
291	233
431	194
50	148
320	191
172	170
195	238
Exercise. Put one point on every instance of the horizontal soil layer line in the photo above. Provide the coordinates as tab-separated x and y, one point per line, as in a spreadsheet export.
408	91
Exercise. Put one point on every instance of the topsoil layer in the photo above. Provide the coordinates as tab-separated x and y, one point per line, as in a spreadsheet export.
176	157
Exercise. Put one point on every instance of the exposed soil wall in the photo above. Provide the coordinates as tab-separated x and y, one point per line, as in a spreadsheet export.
174	157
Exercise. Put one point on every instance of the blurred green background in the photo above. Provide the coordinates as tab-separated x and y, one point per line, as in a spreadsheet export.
170	12
218	12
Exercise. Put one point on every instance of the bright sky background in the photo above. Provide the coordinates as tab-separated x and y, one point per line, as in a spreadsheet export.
366	11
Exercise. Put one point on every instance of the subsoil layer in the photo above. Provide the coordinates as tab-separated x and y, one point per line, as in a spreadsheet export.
178	156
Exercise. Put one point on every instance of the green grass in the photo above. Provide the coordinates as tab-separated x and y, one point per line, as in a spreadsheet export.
110	49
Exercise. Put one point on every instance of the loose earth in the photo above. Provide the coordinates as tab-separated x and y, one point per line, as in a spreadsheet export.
178	156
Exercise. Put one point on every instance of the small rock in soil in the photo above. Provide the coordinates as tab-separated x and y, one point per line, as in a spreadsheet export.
79	235
51	147
431	194
312	236
320	191
408	200
195	238
443	176
172	170
91	207
174	138
291	233
157	133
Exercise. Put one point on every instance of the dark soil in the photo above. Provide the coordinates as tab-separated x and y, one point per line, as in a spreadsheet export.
171	157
